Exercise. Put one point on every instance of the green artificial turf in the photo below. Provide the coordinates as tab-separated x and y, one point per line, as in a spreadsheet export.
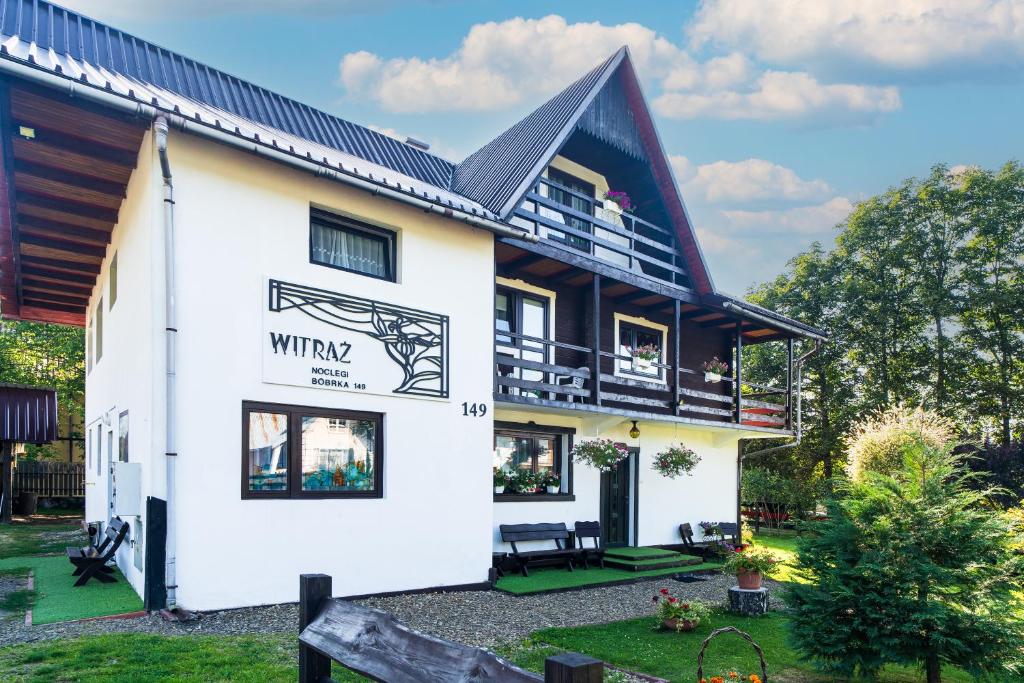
39	538
637	645
555	578
144	658
56	598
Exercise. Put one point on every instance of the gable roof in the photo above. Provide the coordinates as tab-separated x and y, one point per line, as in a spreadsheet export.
500	173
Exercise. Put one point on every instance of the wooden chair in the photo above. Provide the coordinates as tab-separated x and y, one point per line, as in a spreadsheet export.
91	561
591	530
517	533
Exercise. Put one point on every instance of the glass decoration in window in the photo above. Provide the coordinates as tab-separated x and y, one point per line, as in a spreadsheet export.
338	454
268	451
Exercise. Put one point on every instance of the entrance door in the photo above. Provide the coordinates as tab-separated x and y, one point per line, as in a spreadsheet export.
617	499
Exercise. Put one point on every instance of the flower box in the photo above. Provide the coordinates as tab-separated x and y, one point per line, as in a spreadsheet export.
712	377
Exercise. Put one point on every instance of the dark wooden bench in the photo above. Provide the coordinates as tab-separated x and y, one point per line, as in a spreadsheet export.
557	532
728	529
91	561
591	530
374	644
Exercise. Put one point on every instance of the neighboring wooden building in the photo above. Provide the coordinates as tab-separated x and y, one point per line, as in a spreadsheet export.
324	339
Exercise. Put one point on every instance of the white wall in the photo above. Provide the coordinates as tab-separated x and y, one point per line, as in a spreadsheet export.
123	377
241	219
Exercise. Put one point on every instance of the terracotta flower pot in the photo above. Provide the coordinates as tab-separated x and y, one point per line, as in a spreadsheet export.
681	624
750	581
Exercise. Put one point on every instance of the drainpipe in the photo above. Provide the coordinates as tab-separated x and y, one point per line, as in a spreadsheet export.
799	412
170	338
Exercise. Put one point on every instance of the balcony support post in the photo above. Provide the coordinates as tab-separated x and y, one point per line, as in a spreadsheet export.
677	341
596	311
789	383
737	373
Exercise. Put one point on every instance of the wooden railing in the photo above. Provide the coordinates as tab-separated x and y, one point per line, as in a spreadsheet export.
636	245
50	479
525	372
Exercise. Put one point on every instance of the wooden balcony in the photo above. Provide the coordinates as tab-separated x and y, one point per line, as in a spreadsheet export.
526	374
629	244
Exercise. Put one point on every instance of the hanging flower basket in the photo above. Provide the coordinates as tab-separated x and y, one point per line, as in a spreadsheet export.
675	460
603	454
754	678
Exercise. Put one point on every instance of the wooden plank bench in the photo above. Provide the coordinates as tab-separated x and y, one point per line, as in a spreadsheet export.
728	529
91	561
374	644
591	530
557	532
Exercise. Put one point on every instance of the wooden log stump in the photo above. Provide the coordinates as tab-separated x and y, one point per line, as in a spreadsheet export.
749	603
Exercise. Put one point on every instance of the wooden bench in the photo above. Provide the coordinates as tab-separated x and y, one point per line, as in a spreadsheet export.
91	561
591	530
374	644
728	529
518	533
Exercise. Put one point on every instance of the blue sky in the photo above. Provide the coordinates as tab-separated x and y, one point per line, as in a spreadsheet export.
779	115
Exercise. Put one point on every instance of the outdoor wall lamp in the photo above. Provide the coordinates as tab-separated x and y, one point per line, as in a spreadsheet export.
634	432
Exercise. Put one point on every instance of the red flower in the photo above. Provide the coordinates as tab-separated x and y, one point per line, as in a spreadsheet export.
685	605
664	591
673	600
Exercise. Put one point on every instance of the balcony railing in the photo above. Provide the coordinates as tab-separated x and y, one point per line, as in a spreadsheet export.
526	373
618	238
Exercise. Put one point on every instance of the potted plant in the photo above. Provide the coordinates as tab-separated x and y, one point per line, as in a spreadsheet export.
678	615
751	565
501	480
714	369
552	482
644	355
524	481
675	460
604	454
617	201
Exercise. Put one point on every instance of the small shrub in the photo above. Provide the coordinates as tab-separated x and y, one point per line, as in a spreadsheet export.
878	443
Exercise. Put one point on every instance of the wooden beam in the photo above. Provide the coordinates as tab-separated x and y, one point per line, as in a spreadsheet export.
596	332
737	374
55	287
725	322
700	313
31	107
676	330
49	228
638	295
64	245
42	303
47	156
39	295
65	205
48	315
57	188
62	265
56	275
61	214
55	148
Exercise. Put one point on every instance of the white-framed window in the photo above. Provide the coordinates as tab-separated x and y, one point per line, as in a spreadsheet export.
642	348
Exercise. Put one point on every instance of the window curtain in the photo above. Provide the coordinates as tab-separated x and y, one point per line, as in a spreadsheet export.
350	250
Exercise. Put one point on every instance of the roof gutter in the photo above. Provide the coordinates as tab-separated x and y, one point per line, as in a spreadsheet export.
107	98
746	312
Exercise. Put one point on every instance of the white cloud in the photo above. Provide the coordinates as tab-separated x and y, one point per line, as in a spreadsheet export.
817	219
750	180
905	35
503	64
783	95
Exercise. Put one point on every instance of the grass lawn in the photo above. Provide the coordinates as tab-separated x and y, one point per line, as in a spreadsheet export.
40	537
56	599
636	645
144	658
553	578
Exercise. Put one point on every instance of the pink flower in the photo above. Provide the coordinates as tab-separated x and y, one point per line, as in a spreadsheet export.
664	591
673	600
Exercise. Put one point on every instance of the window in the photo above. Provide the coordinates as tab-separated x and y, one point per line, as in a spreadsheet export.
350	245
573	201
538	453
522	314
644	346
122	437
297	452
113	280
98	342
89	344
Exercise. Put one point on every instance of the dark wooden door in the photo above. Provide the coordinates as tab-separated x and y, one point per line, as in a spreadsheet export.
616	498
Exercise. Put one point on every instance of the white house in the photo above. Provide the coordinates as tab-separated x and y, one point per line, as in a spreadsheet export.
310	344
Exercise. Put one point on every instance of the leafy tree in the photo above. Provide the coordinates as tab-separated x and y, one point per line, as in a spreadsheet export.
910	568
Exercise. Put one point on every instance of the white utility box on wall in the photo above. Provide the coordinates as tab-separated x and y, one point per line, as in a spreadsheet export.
127	489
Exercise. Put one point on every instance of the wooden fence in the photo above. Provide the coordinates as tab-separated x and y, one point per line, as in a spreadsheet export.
50	479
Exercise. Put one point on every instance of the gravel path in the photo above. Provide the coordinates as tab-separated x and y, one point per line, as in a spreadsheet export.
482	618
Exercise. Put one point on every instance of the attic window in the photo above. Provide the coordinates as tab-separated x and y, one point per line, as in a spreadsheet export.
346	244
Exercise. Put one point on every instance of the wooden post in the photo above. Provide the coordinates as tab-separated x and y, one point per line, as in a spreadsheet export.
313	590
573	668
738	372
6	480
675	358
789	383
597	339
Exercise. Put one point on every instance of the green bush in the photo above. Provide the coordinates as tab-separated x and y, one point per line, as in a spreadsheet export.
877	444
912	567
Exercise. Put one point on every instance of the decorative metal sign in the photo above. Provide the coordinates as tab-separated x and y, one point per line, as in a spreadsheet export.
315	337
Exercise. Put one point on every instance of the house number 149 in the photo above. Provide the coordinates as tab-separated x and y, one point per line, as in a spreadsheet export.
473	409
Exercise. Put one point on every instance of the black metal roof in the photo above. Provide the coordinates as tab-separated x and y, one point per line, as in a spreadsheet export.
495	175
27	414
50	27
